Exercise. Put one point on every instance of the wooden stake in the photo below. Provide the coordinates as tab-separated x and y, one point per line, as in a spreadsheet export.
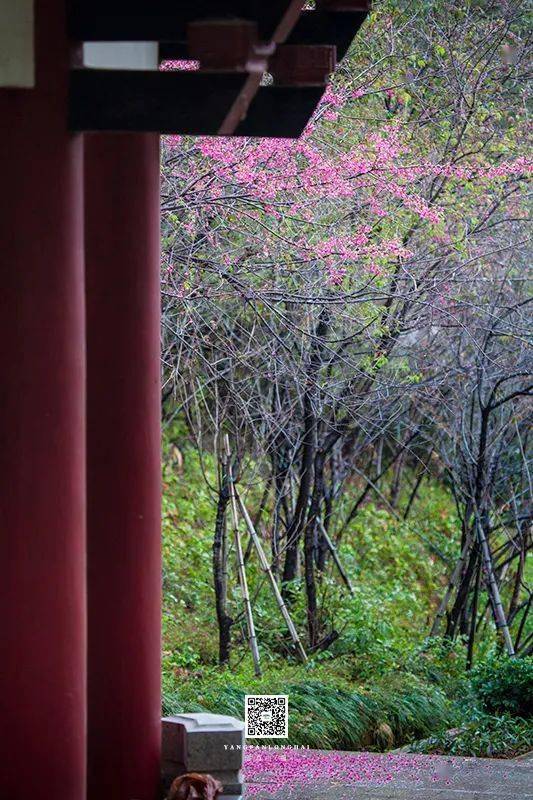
493	591
266	567
240	566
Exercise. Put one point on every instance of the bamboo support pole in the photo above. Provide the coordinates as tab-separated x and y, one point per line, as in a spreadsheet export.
265	566
252	638
493	591
334	553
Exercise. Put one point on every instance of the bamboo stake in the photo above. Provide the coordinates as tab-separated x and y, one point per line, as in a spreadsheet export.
493	591
334	553
266	567
240	566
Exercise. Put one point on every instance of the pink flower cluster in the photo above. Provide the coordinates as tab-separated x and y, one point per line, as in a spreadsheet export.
183	65
336	275
298	194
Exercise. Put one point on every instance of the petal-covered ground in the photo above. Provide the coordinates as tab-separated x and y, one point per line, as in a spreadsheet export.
315	775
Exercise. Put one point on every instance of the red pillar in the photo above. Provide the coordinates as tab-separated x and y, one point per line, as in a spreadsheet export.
123	465
42	432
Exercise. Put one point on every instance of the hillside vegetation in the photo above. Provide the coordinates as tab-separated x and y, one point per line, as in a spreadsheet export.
346	349
382	684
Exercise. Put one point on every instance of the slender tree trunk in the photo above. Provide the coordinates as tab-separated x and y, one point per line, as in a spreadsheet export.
310	582
459	567
310	549
473	619
522	625
323	547
220	575
493	590
294	530
397	480
513	605
462	594
296	527
243	581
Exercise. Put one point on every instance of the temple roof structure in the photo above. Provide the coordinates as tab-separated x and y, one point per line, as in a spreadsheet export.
261	66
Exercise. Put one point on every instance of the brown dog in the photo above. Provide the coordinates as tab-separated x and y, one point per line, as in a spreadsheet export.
194	786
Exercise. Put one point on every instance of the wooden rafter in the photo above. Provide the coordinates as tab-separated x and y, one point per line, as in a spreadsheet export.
235	42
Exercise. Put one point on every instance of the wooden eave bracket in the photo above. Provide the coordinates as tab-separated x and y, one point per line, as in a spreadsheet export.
225	95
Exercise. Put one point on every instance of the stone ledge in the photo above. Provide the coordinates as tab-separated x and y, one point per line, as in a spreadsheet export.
206	743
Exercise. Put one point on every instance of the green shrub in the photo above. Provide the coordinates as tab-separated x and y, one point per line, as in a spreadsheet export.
505	685
441	662
485	736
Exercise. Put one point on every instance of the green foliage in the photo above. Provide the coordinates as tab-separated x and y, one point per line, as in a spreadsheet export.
327	716
382	683
395	579
494	709
412	709
505	685
441	662
484	736
187	521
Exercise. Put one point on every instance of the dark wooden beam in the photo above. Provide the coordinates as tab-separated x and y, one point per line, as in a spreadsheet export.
224	44
280	111
328	27
337	28
174	51
164	102
226	98
188	103
167	20
302	64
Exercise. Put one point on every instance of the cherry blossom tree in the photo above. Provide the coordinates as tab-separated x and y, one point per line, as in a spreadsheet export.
309	286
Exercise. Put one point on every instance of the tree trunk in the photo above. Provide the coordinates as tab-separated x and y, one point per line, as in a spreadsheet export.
220	576
473	620
493	590
296	527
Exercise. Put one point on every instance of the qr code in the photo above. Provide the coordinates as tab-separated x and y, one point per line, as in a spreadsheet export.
266	716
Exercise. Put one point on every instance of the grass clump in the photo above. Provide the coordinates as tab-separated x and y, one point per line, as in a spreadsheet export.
331	717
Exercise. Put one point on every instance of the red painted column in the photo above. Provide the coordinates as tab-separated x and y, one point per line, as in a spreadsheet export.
123	465
42	432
